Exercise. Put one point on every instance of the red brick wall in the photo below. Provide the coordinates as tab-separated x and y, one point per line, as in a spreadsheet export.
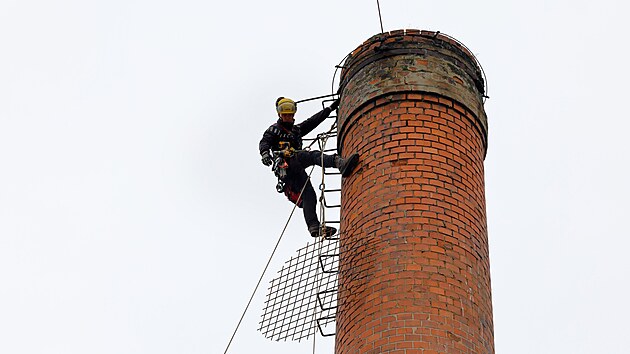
414	266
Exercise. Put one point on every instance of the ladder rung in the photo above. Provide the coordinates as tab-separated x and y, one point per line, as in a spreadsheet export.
321	331
321	304
322	266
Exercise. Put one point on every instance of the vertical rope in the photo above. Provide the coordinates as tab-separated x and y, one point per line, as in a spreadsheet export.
378	5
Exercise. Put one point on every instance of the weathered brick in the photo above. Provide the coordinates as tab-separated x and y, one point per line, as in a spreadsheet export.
414	268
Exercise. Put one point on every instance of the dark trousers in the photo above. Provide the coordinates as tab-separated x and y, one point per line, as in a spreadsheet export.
297	178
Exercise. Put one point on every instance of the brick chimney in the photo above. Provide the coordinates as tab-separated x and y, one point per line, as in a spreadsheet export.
414	266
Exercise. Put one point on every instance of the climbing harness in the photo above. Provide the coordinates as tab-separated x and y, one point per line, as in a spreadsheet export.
279	168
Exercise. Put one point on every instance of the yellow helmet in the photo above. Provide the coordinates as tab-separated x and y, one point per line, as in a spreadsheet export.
286	105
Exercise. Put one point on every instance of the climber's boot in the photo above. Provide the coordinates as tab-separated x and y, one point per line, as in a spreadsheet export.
327	231
347	165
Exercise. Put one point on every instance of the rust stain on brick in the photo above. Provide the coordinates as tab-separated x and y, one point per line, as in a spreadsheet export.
453	336
400	162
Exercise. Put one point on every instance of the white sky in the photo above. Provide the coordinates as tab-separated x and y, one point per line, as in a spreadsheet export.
135	216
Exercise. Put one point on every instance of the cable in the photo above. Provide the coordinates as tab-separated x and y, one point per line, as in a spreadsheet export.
337	67
267	266
285	226
378	5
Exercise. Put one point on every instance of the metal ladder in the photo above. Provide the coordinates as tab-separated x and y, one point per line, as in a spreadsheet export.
329	261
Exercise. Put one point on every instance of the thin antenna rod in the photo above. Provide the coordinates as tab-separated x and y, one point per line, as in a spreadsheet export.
379	15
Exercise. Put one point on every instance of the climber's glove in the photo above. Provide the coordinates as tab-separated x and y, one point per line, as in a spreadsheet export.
266	158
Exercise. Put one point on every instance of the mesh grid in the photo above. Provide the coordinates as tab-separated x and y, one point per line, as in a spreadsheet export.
303	297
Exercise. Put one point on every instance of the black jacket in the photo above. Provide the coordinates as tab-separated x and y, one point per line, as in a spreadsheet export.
292	133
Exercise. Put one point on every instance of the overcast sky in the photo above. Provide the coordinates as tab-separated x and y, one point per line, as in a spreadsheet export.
136	217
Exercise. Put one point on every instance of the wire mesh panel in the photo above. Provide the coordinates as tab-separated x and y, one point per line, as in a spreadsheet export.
303	297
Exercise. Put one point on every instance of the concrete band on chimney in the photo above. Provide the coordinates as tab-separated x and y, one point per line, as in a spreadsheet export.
414	271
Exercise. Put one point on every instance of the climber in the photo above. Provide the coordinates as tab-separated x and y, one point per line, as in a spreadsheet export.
284	131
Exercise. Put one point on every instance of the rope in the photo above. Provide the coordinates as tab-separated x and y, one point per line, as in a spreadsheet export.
287	223
267	265
378	5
